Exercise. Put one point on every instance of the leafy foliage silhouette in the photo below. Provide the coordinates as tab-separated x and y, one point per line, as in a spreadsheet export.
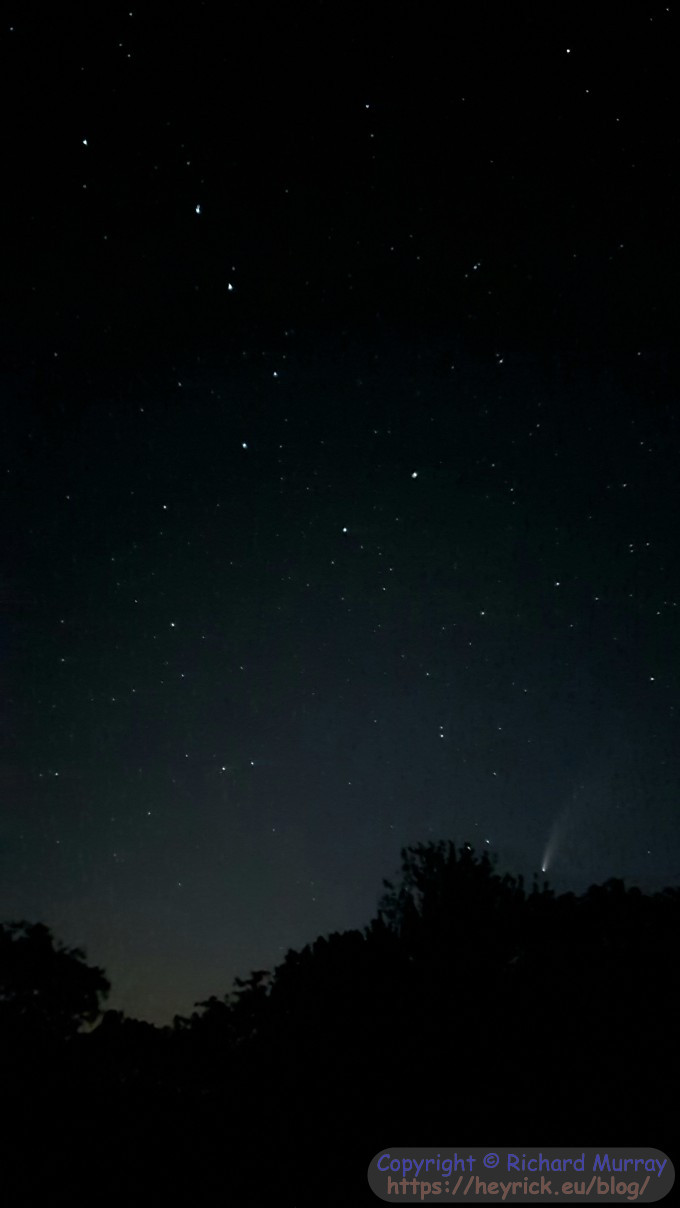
46	989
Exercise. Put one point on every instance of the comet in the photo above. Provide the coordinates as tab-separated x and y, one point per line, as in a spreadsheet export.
554	840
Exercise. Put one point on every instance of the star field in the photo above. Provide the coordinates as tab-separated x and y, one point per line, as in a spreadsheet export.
340	447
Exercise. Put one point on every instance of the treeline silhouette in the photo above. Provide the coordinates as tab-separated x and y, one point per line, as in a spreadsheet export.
469	1011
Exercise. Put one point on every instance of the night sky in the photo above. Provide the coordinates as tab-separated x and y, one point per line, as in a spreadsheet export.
339	434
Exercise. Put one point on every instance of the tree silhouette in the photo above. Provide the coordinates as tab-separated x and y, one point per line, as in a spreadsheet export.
445	891
47	991
466	1003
